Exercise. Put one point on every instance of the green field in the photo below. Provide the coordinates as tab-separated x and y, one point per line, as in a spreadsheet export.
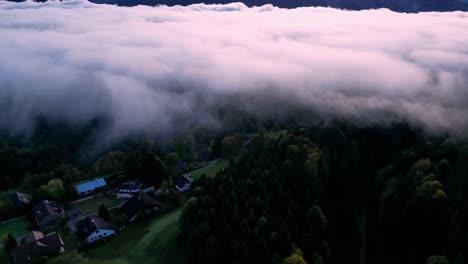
272	134
16	228
277	134
211	170
91	206
4	258
155	241
6	193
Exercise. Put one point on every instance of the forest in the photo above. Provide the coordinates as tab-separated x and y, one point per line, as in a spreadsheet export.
322	193
334	194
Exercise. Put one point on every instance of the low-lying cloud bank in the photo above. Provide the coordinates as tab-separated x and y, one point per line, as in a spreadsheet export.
153	70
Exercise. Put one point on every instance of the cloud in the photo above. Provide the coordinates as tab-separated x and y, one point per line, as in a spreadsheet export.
155	70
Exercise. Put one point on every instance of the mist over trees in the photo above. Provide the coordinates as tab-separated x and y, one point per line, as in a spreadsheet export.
325	193
369	67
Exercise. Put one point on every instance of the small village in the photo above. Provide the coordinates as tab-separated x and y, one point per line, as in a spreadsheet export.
100	214
127	200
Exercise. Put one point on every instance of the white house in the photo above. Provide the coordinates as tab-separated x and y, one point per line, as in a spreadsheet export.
94	228
128	189
183	183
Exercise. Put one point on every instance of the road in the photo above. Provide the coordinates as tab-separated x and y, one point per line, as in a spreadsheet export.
207	165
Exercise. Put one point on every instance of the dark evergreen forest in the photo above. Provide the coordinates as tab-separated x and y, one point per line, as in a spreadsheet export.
326	193
334	194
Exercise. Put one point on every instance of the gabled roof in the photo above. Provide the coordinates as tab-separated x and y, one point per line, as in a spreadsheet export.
139	202
91	224
91	185
130	186
46	208
182	181
22	197
34	236
44	246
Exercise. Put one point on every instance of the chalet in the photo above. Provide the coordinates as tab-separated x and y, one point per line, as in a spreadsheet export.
48	214
90	187
183	183
94	228
21	199
37	246
128	189
139	206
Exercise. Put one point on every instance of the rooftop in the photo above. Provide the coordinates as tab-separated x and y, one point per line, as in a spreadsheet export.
130	186
91	185
38	245
91	224
46	208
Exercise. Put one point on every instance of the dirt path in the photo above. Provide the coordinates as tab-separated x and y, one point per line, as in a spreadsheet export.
208	164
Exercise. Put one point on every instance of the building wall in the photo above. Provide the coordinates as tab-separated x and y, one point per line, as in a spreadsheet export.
184	188
99	234
124	195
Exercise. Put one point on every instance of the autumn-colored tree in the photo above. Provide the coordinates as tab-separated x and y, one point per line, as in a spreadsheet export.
437	260
296	257
103	212
54	189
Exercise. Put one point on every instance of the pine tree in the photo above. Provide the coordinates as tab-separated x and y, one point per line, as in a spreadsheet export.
104	213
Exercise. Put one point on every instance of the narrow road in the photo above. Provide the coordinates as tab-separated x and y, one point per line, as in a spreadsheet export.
208	164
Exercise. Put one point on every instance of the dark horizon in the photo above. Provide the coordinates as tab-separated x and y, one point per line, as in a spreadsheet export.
412	6
395	5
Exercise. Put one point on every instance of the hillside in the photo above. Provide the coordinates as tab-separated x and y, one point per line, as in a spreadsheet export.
396	5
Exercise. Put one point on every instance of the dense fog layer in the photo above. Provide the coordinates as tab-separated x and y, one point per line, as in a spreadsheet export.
157	69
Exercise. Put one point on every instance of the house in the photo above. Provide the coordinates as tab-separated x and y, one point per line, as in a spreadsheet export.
183	183
90	187
36	246
94	228
139	206
48	213
128	189
20	199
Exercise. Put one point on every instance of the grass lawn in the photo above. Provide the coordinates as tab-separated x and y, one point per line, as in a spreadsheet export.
17	228
91	206
6	194
277	134
211	170
272	134
155	241
4	258
69	239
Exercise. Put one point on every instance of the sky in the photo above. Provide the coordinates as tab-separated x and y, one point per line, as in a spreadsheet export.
159	69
